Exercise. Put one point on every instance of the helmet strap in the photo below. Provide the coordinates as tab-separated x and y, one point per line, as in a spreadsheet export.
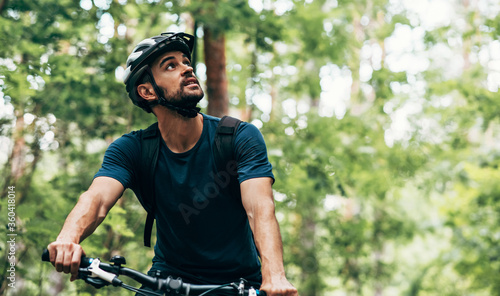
186	112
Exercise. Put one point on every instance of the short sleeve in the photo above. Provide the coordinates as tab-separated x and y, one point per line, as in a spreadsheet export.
251	153
120	160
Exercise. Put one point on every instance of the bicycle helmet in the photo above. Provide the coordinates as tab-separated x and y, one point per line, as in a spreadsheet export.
143	55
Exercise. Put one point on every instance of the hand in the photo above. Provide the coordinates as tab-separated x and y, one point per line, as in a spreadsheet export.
66	256
279	287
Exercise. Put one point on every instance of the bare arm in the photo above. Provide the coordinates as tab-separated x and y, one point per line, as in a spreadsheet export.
90	210
257	198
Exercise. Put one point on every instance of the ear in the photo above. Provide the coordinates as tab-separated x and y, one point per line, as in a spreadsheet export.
146	91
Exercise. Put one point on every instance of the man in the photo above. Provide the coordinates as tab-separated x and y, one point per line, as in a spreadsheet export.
205	234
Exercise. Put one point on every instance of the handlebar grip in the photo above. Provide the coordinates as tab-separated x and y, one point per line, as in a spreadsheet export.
46	255
84	261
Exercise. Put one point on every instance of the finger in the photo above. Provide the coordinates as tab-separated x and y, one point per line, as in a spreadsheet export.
273	291
74	277
52	254
291	292
75	263
58	262
266	289
67	262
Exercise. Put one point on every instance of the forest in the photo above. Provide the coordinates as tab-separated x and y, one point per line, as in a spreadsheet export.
381	119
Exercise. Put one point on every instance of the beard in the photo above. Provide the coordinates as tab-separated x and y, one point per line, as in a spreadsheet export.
183	99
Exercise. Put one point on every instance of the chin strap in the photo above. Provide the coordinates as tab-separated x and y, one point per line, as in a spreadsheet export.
186	112
189	112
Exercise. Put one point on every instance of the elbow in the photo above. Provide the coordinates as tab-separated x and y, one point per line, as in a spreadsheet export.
267	206
263	210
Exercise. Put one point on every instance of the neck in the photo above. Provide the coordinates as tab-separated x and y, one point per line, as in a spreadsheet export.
179	133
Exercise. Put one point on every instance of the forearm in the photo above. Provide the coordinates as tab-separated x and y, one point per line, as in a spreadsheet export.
268	240
257	198
90	210
82	221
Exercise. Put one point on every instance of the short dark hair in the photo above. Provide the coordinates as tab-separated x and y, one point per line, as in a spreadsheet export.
145	78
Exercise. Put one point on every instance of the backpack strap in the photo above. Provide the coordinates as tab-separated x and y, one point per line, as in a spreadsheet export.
223	151
150	144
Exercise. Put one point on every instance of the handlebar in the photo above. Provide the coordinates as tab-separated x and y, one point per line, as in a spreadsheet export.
100	274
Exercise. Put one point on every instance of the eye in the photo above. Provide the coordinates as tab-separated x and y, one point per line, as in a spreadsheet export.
170	66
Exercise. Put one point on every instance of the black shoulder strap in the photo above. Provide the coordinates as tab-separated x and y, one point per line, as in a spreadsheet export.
150	144
224	150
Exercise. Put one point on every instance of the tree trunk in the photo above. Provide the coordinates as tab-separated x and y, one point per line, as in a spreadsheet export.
17	158
3	4
253	76
194	54
215	61
310	275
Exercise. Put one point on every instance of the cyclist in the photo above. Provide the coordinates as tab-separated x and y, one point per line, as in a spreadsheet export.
205	234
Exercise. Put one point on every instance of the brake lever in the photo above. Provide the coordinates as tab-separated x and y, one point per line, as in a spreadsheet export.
96	282
85	275
97	276
241	287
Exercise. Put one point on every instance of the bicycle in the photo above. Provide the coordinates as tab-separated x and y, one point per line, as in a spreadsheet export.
100	274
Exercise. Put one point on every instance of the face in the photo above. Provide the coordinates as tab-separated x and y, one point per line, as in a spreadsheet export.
174	75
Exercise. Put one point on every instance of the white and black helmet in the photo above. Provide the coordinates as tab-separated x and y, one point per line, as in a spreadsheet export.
145	53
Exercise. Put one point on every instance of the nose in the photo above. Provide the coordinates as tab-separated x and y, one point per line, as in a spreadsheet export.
188	70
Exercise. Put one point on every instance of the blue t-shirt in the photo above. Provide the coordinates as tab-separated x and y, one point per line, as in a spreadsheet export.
203	234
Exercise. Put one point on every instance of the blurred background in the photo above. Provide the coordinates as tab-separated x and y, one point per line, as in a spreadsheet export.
381	119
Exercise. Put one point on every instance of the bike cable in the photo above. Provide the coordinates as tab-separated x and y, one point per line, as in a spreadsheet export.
214	289
141	292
